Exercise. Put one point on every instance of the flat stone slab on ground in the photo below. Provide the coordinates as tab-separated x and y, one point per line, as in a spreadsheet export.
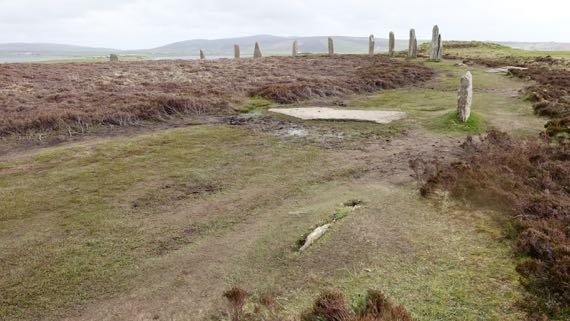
504	69
326	113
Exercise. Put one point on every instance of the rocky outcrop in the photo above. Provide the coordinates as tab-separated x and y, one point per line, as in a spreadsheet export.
465	97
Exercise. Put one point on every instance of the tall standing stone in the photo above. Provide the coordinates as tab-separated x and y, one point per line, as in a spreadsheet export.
413	45
257	51
439	55
202	55
465	97
295	48
331	46
237	52
371	45
113	58
391	44
435	50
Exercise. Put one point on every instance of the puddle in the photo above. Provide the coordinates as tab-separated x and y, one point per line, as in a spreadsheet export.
326	113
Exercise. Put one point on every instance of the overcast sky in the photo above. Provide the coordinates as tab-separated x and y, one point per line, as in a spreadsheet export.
137	24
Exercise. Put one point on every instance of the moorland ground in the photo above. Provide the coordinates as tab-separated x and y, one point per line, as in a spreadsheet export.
157	222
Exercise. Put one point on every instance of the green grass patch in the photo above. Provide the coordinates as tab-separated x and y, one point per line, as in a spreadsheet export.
450	122
255	104
77	222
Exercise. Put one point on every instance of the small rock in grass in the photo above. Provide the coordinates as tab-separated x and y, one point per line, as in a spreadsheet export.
315	235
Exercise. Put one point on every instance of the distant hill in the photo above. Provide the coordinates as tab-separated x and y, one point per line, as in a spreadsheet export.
273	45
51	49
270	45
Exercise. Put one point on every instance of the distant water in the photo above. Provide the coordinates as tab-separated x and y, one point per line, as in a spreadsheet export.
43	58
31	58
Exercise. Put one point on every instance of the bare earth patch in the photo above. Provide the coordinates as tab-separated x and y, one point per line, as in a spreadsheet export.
326	113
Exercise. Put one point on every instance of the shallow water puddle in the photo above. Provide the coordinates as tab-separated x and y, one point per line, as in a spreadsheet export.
326	113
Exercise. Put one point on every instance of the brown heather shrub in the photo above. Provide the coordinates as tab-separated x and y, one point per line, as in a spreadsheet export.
75	96
330	305
236	298
531	179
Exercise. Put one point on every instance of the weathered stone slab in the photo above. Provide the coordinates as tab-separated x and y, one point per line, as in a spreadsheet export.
257	51
371	45
295	48
391	44
331	46
326	113
465	97
237	52
413	45
202	55
435	52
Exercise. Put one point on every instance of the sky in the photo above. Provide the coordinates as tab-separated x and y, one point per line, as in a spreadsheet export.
141	24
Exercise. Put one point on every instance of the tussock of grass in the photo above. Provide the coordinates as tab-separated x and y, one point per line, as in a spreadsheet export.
450	122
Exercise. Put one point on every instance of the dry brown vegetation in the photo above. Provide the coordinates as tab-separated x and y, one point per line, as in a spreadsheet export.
531	180
331	305
74	96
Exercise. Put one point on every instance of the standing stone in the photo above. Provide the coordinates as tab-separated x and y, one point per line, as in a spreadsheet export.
435	50
257	51
465	97
371	45
113	58
331	46
295	48
413	45
391	44
237	52
202	55
439	55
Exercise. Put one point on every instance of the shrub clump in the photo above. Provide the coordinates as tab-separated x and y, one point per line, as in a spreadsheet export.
531	179
330	305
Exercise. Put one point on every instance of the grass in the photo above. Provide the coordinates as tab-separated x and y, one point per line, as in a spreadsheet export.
71	230
492	51
450	122
495	104
457	270
255	104
163	223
